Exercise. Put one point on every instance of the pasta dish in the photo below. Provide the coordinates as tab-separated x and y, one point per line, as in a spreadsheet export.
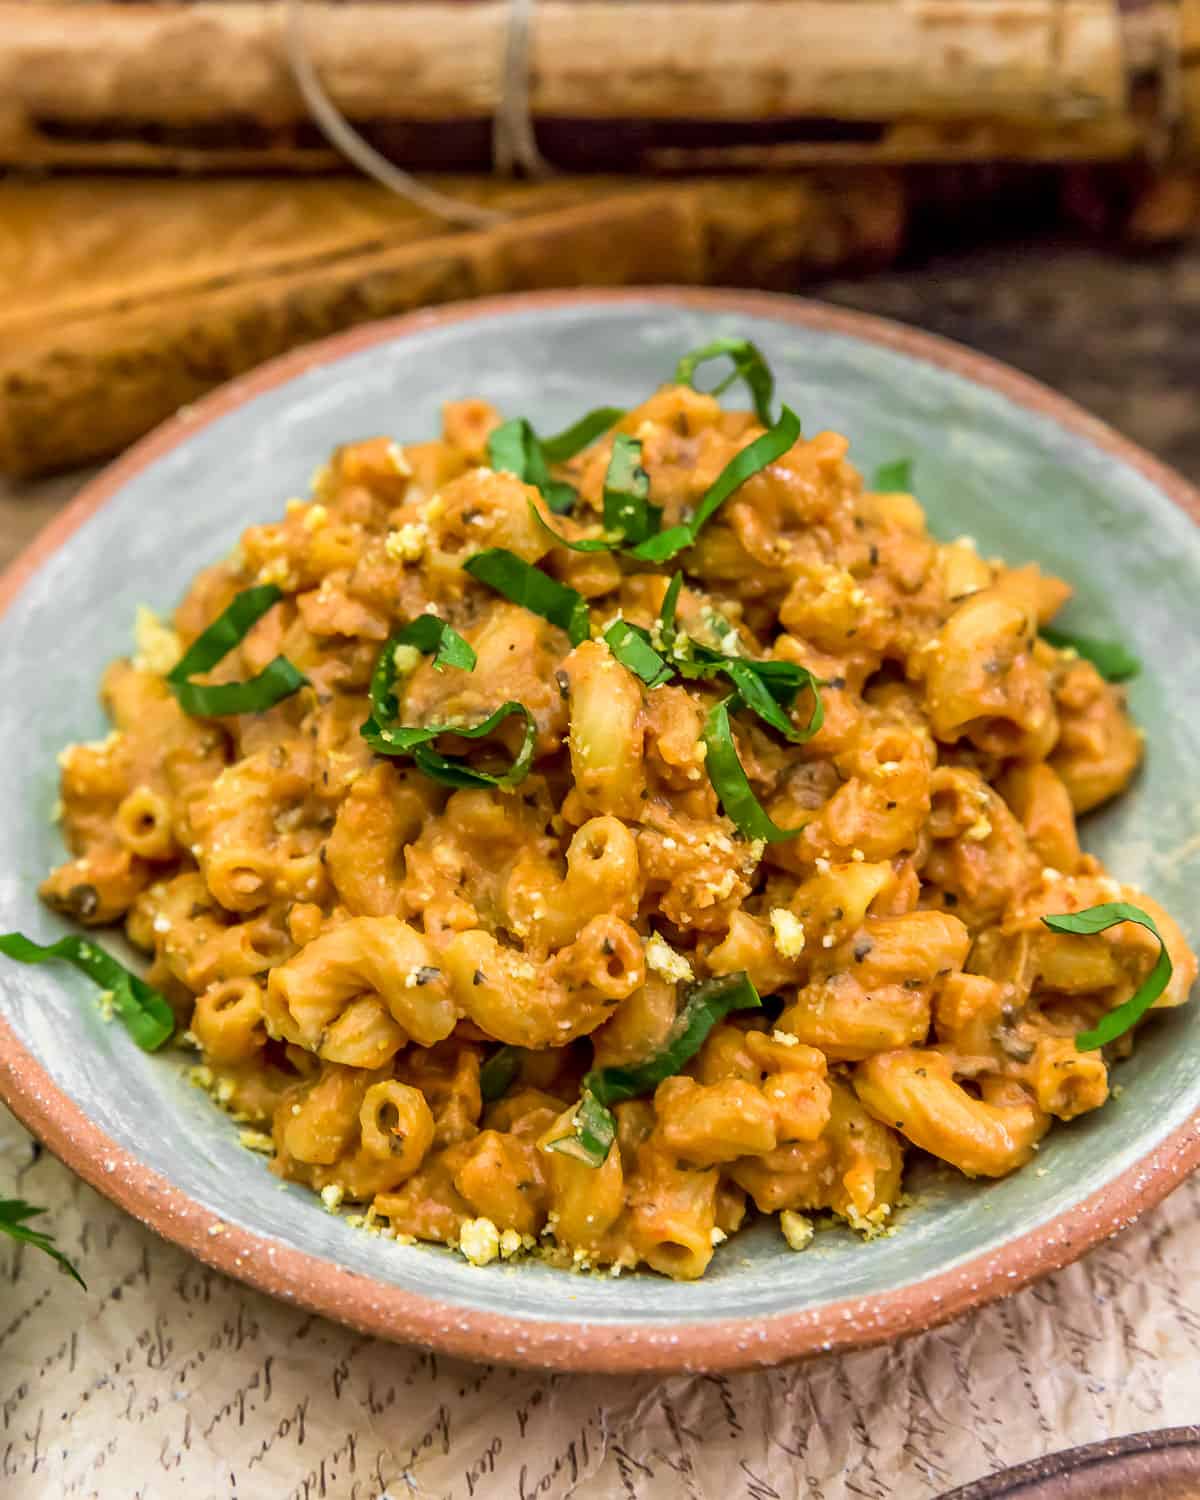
579	846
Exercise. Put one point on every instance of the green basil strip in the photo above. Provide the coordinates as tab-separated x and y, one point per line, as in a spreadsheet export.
514	448
148	1018
581	434
895	478
13	1215
627	507
497	1074
433	637
1111	659
595	1130
636	654
581	544
743	465
748	366
278	680
729	780
1099	919
528	586
390	739
666	615
758	695
704	1005
628	515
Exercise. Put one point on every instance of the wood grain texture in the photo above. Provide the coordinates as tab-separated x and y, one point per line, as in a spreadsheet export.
121	303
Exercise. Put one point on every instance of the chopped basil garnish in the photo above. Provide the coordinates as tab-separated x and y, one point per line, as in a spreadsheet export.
705	1004
528	586
748	366
629	517
768	693
514	447
627	507
13	1215
386	737
497	1074
1111	659
432	636
1099	919
147	1017
580	435
729	780
452	770
894	478
743	465
631	648
666	615
278	680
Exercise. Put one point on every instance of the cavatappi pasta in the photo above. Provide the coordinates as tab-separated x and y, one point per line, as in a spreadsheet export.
354	923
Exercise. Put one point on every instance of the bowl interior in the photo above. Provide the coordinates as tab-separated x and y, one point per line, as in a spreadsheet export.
1015	480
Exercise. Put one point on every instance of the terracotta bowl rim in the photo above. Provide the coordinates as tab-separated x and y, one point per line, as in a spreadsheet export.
391	1312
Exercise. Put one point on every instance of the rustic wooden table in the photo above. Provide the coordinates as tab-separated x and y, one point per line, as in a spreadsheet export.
1120	336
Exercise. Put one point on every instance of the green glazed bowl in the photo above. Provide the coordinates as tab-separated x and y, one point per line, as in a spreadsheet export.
996	456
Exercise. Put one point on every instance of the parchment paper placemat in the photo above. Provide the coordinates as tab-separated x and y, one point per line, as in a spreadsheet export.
166	1379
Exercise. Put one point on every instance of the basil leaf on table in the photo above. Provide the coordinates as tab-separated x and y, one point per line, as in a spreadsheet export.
14	1213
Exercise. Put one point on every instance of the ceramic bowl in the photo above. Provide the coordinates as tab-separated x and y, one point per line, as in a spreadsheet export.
997	456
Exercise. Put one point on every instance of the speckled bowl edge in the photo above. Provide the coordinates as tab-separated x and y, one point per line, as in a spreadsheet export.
391	1312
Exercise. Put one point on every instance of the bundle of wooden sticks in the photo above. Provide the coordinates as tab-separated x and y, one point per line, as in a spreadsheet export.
753	142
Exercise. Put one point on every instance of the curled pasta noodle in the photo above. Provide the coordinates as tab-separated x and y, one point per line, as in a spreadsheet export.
436	964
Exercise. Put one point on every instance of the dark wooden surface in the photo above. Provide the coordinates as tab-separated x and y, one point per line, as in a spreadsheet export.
1119	335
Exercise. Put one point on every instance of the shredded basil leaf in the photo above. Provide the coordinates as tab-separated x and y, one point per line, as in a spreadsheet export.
704	1005
277	681
528	586
760	692
894	478
1112	660
497	1074
627	507
748	366
581	434
743	465
514	448
628	515
666	615
395	739
631	648
1099	919
13	1215
604	543
145	1013
433	637
730	783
